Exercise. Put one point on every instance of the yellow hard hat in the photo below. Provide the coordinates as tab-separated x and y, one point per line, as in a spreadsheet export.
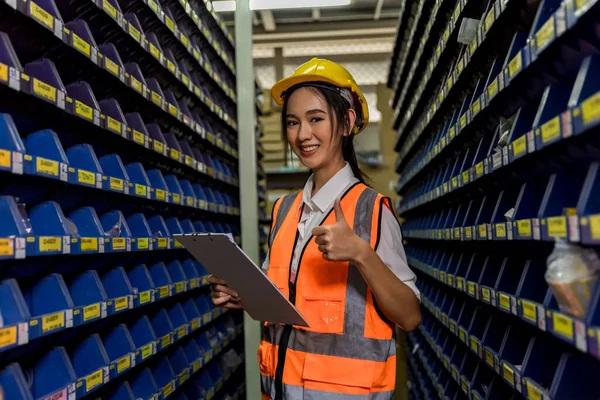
321	70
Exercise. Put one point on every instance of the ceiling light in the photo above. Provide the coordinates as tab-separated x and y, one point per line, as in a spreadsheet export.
224	5
229	5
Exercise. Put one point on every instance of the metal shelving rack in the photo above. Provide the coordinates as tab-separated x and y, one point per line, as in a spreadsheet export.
118	129
498	157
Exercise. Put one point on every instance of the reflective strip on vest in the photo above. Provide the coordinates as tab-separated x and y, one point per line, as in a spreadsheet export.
282	212
291	392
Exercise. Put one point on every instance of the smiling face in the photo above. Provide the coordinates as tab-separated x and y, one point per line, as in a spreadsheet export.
310	126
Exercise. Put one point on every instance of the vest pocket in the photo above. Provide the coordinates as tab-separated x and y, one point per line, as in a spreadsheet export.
266	358
323	315
338	375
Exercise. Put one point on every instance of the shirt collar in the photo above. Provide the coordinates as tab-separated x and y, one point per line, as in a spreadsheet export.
334	188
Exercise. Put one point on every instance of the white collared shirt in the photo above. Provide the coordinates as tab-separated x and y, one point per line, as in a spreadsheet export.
314	209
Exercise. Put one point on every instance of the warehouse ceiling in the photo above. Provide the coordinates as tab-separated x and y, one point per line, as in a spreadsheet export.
361	19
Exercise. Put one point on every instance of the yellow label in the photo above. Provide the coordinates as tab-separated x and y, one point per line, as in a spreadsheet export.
474	345
6	247
176	198
524	227
551	130
185	80
462	334
465	176
147	351
140	190
189	200
48	243
471	288
135	33
41	15
489	358
44	90
113	125
53	321
171	66
3	72
557	226
196	366
184	39
137	85
109	9
449	83
483	231
116	184
485	293
89	244
8	336
45	166
157	99
519	146
533	393
175	154
181	332
492	89
473	47
460	283
457	233
139	137
464	385
529	310
154	51
167	390
172	110
93	380
5	158
476	107
545	34
165	340
563	325
111	66
501	230
91	312
504	301
489	20
183	377
160	194
143	243
509	374
515	65
86	177
123	364
590	108
179	287
463	121
81	45
119	243
170	23
595	226
195	324
162	243
121	303
158	146
163	291
452	132
145	297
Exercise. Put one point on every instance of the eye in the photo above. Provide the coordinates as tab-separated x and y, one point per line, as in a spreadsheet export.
292	123
316	119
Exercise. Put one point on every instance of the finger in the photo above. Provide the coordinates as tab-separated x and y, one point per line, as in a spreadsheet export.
321	239
215	280
221	300
339	214
323	248
320	230
224	289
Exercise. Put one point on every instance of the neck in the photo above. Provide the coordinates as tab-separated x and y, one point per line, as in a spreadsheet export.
324	174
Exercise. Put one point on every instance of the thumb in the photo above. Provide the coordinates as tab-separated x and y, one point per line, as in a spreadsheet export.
339	214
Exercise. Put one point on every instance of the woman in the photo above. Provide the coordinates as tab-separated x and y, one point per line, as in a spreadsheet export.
336	250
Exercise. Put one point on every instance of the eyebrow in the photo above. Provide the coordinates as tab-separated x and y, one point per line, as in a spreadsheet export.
309	112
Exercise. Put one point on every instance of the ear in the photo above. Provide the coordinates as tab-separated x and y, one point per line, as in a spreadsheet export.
351	119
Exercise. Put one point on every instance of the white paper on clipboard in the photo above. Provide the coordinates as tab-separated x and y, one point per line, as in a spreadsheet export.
222	257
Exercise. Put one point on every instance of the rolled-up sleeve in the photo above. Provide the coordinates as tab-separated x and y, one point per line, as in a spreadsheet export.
391	251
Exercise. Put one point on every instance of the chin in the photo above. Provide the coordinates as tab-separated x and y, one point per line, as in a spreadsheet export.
313	162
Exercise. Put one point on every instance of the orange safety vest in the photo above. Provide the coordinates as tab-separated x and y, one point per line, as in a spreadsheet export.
349	350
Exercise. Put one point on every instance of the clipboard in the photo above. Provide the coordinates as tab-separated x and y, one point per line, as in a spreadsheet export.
222	257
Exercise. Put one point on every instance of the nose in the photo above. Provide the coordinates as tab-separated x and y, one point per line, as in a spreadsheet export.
304	133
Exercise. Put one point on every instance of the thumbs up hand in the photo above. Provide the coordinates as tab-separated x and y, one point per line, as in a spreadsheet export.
338	242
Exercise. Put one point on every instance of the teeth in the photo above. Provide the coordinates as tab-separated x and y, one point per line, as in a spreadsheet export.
309	148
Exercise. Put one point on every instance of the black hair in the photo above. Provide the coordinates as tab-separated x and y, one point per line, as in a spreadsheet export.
338	111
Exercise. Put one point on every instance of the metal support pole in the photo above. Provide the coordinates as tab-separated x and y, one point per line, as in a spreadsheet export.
246	103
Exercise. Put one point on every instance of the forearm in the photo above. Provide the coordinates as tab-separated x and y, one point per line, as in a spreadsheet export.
397	301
